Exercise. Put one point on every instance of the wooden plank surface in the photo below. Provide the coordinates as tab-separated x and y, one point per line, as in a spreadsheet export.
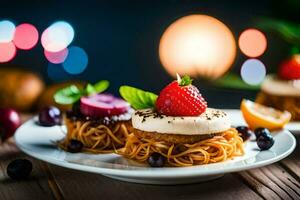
91	186
36	187
277	181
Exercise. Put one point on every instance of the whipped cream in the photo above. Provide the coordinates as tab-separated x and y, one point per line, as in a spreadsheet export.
211	121
275	86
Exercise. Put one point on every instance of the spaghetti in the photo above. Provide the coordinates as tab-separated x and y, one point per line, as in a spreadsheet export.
222	147
96	137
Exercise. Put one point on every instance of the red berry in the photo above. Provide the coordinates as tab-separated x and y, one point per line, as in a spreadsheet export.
178	99
290	69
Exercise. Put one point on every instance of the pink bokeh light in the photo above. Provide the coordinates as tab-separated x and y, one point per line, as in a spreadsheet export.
26	36
56	57
7	51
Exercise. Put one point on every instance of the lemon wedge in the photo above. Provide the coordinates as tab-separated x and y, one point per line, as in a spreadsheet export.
257	115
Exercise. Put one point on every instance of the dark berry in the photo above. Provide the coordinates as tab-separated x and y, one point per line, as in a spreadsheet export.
50	116
76	109
19	169
244	132
156	160
261	132
75	146
9	122
265	142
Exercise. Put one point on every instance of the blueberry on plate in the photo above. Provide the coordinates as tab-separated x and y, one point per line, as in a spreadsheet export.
156	160
244	132
19	169
265	142
50	116
75	146
261	132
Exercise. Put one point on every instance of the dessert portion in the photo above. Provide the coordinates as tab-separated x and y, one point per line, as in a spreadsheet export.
97	123
177	129
282	91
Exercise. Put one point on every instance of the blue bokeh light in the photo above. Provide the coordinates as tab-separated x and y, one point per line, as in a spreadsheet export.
253	71
7	31
57	73
77	60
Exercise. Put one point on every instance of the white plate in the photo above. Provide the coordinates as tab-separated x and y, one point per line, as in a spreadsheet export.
237	119
38	142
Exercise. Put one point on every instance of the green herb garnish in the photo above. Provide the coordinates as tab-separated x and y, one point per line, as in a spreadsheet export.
72	93
138	99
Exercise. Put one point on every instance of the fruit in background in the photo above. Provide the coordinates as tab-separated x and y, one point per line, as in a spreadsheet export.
19	89
50	116
257	115
290	69
101	105
181	98
46	98
9	122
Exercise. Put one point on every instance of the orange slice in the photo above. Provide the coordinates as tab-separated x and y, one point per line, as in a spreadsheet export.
257	115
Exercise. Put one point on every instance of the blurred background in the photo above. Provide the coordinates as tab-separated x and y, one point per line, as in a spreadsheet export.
126	42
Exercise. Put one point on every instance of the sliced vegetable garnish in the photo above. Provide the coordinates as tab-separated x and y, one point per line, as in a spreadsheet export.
72	93
137	98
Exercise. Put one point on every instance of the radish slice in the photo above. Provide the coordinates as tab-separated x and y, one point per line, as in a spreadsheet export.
103	105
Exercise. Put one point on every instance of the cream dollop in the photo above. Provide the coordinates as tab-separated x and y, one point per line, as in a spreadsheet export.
211	121
275	86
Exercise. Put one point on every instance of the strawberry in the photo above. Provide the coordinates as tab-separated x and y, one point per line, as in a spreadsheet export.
290	69
181	98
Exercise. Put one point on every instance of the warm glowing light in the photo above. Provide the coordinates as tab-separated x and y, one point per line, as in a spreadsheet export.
57	36
253	71
76	61
7	51
26	36
253	43
56	57
7	30
197	45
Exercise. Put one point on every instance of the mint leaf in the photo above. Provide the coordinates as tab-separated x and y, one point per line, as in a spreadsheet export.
185	80
101	86
137	98
89	89
67	95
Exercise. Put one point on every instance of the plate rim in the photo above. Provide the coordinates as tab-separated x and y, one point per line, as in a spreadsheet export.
155	172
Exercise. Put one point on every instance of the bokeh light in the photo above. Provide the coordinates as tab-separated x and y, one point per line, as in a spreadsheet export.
197	45
57	73
253	43
7	30
57	36
253	71
56	57
7	51
26	36
76	61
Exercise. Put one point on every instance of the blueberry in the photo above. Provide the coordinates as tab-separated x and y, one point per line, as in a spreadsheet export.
156	160
75	146
261	132
244	132
265	142
19	169
50	116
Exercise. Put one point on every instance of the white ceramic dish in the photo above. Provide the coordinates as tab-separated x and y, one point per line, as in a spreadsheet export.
39	141
237	119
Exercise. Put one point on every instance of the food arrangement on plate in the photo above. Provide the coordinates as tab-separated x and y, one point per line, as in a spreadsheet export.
282	91
175	128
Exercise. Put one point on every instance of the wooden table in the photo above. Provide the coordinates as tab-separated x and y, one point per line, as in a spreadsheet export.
278	181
